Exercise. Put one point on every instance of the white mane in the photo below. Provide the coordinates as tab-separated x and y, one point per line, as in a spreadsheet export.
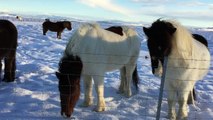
182	41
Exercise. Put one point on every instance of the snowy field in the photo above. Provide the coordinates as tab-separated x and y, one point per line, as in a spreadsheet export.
35	96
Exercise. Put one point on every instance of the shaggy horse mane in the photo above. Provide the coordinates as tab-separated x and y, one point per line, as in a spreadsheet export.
182	41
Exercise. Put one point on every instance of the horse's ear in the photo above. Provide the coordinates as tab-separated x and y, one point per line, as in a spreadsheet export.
172	30
146	31
58	75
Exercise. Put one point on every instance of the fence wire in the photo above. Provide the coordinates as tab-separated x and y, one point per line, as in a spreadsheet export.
143	100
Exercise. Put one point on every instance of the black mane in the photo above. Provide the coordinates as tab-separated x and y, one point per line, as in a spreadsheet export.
70	65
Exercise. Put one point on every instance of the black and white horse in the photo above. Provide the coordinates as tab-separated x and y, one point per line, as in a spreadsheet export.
90	53
188	61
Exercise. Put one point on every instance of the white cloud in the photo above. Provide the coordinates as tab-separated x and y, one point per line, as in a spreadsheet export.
5	10
190	10
153	9
107	5
152	2
211	6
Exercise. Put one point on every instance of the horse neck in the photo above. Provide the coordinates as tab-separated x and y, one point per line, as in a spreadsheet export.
72	47
66	25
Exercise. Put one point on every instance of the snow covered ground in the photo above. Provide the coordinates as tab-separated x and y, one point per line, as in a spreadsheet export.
35	96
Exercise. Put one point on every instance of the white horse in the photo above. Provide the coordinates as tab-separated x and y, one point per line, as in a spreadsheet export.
188	62
101	51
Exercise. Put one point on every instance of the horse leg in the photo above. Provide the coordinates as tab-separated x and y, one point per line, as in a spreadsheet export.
59	35
172	95
129	71
99	87
88	99
123	79
44	31
182	101
13	70
9	71
191	97
0	69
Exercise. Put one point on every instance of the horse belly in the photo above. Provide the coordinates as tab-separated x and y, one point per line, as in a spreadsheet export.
94	64
119	62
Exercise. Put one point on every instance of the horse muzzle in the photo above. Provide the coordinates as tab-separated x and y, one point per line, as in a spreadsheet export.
158	72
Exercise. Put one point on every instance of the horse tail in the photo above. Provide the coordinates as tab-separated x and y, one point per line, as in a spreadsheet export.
135	78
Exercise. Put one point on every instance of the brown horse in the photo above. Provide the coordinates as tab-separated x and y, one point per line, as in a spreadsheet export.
69	88
69	74
8	45
56	27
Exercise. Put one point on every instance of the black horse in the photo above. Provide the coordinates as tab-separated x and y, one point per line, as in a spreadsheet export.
8	45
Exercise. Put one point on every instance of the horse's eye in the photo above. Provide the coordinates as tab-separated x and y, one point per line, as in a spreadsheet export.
159	48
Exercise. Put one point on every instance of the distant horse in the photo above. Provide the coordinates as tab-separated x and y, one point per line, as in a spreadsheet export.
8	45
56	27
188	61
90	53
19	18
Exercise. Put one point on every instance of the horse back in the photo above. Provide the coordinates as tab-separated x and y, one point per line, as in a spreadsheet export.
8	34
58	26
100	48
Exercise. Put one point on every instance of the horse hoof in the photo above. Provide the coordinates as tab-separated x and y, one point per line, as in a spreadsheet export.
120	92
85	104
128	94
171	116
8	80
99	109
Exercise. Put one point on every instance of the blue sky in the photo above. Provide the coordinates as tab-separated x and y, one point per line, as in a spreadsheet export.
188	12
